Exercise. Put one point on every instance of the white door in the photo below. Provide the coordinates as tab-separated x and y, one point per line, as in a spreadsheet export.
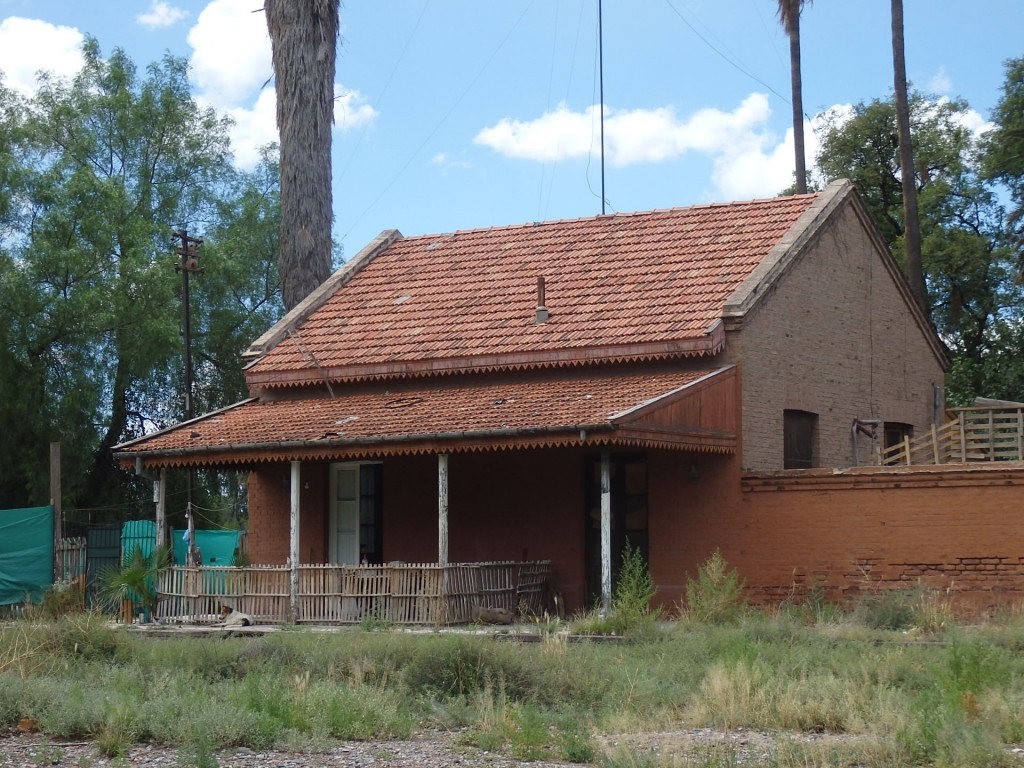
344	525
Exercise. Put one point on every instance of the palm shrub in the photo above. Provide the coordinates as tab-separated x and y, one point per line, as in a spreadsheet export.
134	581
716	595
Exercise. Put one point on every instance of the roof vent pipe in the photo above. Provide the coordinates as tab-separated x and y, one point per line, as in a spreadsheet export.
542	310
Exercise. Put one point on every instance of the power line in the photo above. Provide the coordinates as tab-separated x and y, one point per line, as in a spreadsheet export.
734	64
443	119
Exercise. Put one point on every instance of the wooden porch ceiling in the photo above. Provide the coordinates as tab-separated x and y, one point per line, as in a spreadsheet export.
696	410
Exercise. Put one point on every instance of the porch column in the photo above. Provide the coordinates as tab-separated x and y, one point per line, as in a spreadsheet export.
606	532
160	497
442	509
293	547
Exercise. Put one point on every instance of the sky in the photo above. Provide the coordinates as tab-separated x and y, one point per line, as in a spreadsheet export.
458	114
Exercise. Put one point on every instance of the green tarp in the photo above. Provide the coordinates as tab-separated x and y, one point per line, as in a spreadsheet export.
26	553
217	547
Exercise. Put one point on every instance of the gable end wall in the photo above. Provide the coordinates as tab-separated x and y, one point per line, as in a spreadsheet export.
834	336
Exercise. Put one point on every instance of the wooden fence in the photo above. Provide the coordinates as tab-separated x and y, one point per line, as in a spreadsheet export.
426	594
973	435
69	560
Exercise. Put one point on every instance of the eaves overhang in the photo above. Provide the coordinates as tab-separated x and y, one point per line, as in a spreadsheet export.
594	410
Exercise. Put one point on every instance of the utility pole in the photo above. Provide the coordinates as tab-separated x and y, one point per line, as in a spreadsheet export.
189	252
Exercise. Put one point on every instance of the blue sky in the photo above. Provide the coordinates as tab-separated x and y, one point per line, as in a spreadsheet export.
455	114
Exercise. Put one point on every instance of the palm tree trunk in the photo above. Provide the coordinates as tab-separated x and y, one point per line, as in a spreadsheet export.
304	38
796	80
912	223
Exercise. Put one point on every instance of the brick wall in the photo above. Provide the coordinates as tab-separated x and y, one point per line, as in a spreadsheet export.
956	529
269	514
861	529
514	505
834	337
511	505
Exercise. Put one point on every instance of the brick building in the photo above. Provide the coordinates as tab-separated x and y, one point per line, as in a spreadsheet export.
673	379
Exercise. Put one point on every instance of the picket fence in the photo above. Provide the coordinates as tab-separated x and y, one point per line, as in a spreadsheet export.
399	593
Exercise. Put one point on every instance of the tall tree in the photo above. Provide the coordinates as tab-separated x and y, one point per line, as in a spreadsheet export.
106	164
912	228
1004	147
304	38
789	16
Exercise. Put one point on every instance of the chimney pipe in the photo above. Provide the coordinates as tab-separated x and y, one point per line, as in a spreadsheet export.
542	310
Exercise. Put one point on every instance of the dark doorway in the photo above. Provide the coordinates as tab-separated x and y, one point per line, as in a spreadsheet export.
628	515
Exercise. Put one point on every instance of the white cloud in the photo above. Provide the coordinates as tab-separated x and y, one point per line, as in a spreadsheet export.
974	122
445	160
160	15
350	109
254	127
231	70
230	53
940	83
748	159
29	45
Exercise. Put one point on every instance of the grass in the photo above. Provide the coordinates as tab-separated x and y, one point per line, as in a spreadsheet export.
950	695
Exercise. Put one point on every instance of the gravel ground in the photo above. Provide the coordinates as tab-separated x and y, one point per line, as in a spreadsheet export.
426	750
430	749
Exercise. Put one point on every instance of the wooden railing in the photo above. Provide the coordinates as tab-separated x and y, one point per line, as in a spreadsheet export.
427	593
973	435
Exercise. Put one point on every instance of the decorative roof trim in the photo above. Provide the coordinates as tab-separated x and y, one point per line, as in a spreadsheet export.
710	344
598	435
319	295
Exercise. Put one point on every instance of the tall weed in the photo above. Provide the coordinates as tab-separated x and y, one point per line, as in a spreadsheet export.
716	595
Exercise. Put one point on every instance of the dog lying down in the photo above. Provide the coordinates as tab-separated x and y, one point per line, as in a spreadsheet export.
229	617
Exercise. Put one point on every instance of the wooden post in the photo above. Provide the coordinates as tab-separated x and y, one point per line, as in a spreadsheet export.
963	438
1020	434
991	436
442	509
160	497
293	548
55	500
606	533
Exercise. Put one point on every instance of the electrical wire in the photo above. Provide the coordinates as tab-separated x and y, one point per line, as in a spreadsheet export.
384	90
444	118
734	64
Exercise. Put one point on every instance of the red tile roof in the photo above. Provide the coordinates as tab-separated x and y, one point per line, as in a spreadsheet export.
624	286
489	410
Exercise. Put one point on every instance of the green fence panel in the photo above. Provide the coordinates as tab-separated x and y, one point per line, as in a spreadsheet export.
26	553
140	535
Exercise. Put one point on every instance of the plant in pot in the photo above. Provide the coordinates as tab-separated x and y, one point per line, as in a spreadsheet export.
134	583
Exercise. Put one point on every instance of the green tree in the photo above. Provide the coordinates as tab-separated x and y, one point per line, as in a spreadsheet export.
117	159
101	169
304	38
968	265
1004	147
789	16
